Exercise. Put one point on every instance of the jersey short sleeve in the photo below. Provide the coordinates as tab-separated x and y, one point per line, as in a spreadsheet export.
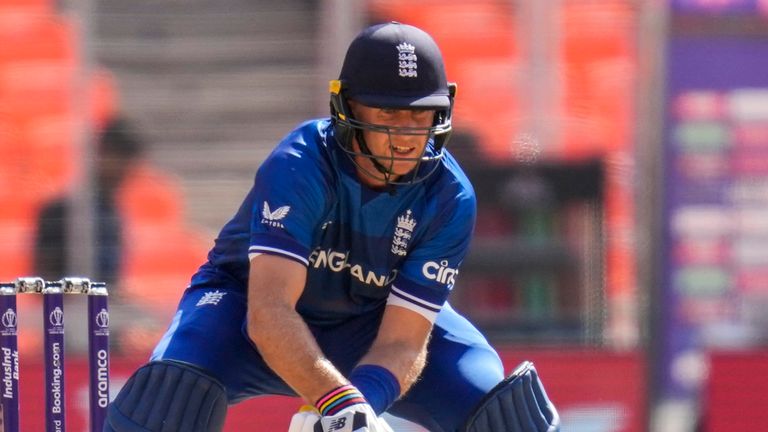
429	272
290	195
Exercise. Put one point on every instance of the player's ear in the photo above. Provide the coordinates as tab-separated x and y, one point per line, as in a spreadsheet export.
354	108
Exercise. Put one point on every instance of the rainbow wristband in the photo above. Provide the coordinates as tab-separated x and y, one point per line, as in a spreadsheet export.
338	399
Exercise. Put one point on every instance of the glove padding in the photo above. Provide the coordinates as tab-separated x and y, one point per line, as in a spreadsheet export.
304	420
356	418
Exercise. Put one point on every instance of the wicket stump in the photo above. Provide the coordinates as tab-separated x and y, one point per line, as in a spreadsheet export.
53	320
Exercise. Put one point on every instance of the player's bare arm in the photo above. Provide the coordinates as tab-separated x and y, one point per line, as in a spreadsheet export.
401	345
282	337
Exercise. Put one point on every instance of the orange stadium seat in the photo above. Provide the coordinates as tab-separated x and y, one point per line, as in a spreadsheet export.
39	60
38	131
598	99
38	159
483	62
51	156
598	52
10	137
150	197
40	5
486	102
161	253
416	11
17	15
103	98
492	21
17	203
31	90
167	255
36	88
35	37
15	250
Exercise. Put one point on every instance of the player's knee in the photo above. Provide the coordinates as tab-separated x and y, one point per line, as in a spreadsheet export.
168	396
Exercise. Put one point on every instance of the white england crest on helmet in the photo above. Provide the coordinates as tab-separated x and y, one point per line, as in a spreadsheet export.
407	60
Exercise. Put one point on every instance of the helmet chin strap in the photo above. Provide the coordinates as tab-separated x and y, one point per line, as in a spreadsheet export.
364	149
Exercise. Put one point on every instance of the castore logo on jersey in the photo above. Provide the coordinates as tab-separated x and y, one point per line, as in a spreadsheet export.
273	218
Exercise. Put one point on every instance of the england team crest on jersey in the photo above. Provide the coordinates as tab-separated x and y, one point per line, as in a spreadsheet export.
273	218
403	233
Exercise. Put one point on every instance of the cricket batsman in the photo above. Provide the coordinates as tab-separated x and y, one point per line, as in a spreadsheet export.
330	282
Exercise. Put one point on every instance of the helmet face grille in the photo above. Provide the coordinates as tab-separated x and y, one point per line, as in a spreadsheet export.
347	129
424	164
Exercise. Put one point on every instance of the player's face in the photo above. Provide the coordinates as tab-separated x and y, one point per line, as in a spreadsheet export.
384	147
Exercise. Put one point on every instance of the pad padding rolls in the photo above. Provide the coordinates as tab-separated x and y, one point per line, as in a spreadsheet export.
167	396
517	404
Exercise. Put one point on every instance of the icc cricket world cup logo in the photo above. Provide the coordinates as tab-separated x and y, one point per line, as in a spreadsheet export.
9	323
102	323
102	319
9	319
57	317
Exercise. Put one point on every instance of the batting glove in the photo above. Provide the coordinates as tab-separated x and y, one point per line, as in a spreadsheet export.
304	420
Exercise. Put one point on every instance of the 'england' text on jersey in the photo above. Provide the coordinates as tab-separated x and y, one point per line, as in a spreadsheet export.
338	261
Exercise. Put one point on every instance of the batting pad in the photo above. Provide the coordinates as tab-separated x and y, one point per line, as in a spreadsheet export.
517	404
167	396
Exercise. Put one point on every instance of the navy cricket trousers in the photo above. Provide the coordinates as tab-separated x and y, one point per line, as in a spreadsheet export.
461	366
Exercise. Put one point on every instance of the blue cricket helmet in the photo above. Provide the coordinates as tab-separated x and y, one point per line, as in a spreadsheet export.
395	66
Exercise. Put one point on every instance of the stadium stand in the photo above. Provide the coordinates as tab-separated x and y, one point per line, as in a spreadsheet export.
41	98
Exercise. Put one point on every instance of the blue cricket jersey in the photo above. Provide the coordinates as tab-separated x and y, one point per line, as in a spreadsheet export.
363	248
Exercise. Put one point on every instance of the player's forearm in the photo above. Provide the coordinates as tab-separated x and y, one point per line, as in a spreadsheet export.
288	347
280	334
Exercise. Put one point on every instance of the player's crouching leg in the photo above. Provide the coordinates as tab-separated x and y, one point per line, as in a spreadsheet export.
168	396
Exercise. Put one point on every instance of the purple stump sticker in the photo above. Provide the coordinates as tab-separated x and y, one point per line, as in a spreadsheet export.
53	323
9	356
98	354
